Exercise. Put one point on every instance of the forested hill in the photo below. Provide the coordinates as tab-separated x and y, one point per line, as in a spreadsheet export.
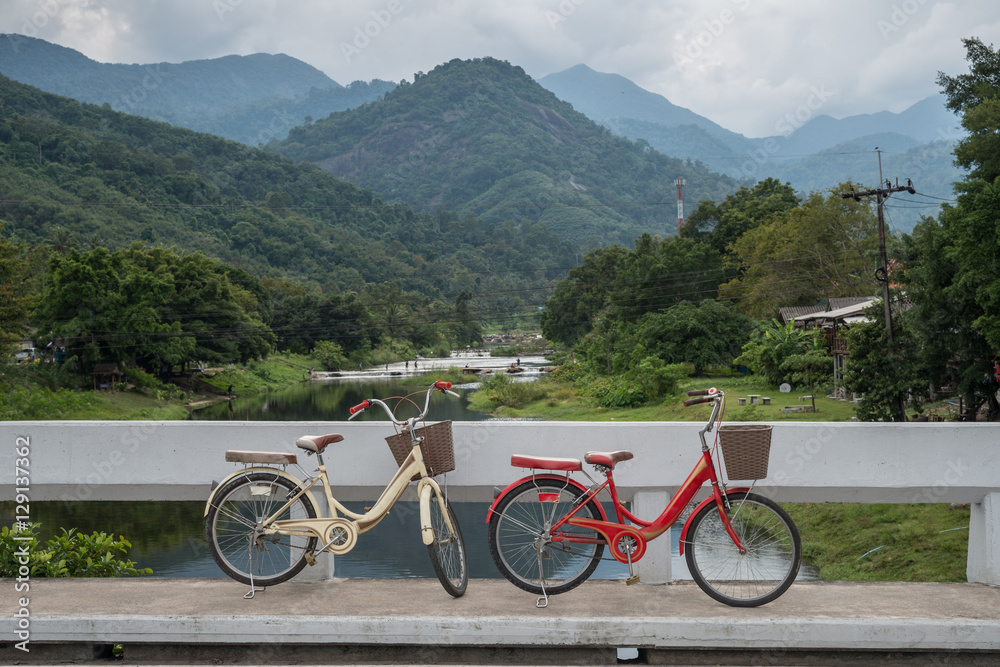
80	175
251	98
482	136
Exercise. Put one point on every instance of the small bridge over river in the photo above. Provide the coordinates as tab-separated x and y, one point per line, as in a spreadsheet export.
336	620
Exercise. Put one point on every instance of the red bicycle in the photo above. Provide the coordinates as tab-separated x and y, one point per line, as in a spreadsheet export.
547	531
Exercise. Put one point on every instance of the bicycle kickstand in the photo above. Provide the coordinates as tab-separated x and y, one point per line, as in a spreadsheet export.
253	589
543	600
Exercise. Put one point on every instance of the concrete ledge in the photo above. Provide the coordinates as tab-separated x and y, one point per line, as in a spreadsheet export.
155	618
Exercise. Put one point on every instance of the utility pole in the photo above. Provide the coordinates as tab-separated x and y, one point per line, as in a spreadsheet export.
882	273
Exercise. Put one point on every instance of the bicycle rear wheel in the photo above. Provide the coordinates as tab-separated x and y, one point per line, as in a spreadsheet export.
522	553
447	551
770	539
237	544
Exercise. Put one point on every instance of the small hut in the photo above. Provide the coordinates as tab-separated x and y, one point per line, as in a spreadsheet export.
105	374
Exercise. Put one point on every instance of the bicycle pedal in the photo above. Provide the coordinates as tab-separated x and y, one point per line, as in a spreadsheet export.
310	559
634	579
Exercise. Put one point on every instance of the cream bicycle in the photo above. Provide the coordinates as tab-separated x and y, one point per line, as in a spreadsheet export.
261	521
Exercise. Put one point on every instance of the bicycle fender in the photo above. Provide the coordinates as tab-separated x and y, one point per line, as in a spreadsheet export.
425	493
694	512
529	478
242	471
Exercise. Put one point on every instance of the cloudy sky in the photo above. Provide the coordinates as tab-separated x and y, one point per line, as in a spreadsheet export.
745	64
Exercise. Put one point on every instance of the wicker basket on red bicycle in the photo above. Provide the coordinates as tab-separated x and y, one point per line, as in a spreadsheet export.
437	448
746	449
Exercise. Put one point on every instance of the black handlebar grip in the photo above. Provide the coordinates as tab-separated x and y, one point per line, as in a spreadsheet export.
696	401
698	392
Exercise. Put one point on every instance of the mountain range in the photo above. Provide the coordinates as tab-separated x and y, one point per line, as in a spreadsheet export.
250	99
811	151
258	99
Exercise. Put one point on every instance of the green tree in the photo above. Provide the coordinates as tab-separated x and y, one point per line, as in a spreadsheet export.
15	296
887	383
330	354
570	311
152	307
466	329
976	97
704	333
721	225
952	264
826	247
663	273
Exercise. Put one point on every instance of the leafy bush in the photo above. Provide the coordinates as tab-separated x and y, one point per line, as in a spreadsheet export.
330	355
501	390
617	392
657	378
69	554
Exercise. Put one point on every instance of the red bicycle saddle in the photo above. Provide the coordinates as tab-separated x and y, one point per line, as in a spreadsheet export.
608	459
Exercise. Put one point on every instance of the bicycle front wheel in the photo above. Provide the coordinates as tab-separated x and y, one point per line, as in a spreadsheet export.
447	551
233	528
773	551
525	555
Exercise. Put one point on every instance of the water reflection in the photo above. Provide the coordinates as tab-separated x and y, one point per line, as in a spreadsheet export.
329	397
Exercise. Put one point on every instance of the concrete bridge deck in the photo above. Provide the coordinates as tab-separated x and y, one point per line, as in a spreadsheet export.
413	621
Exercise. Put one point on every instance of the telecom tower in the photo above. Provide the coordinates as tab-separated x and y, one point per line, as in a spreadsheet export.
680	202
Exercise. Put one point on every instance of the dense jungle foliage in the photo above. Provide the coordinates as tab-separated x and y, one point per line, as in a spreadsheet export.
75	176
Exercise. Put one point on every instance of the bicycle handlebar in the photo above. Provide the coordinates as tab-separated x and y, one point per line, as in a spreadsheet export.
704	396
696	401
440	385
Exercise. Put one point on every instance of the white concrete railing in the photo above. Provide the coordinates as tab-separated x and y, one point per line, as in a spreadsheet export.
810	461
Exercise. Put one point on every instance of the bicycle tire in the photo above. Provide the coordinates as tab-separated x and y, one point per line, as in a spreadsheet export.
770	539
229	529
447	551
520	519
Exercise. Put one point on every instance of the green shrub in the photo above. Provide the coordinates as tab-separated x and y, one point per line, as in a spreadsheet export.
69	554
617	392
501	390
330	355
657	378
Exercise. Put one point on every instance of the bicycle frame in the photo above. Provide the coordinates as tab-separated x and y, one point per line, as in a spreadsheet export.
323	527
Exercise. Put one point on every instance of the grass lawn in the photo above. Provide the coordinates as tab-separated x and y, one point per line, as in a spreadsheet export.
923	542
562	402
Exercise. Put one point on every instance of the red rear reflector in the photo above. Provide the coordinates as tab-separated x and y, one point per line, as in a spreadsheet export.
548	497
